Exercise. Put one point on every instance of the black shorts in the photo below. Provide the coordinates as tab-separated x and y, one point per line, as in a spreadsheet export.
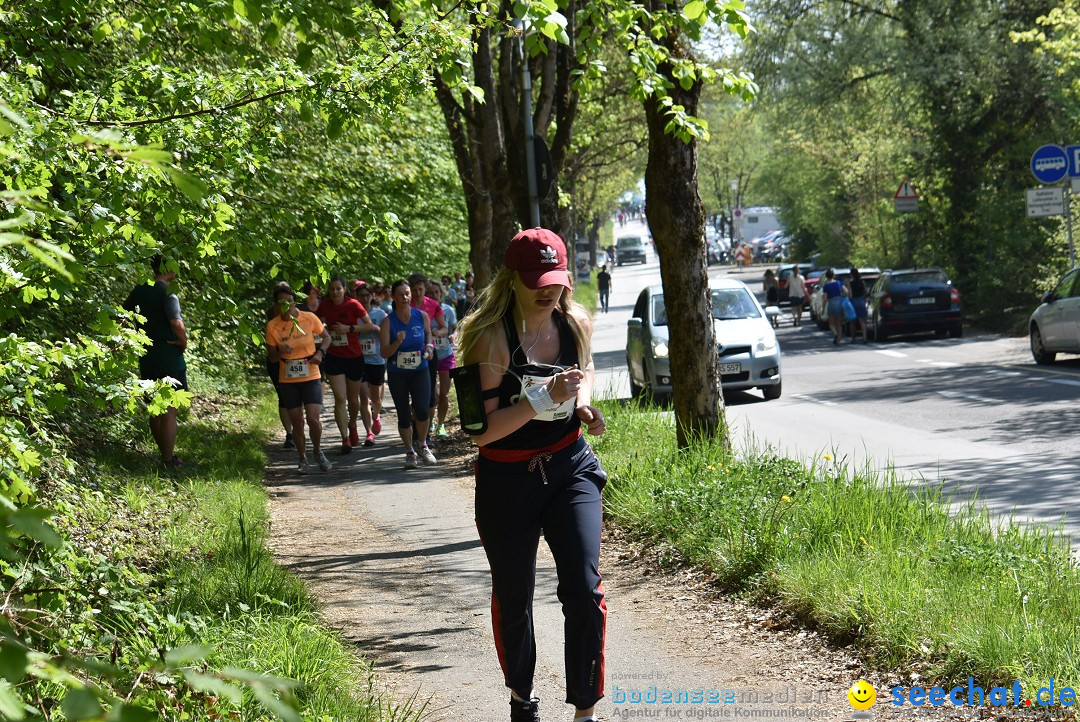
353	368
300	393
375	374
149	374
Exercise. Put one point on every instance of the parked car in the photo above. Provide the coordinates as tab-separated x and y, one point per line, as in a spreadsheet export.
749	351
629	249
913	301
817	301
1055	324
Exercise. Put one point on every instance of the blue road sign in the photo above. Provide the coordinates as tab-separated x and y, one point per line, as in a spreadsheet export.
1049	164
1073	151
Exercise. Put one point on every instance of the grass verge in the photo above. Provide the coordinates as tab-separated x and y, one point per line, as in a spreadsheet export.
863	558
167	580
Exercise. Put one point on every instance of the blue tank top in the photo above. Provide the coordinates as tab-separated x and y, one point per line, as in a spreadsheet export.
412	348
535	434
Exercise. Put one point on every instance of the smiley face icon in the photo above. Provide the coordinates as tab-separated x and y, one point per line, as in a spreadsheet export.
862	695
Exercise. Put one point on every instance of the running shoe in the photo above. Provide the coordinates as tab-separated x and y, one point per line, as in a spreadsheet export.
370	440
354	436
427	456
376	425
441	431
525	711
324	463
304	467
411	461
345	449
290	443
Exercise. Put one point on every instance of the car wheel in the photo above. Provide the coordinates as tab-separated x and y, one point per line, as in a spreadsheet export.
880	334
1038	350
956	331
771	392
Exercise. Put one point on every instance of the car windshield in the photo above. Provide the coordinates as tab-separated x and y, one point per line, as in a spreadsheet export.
728	304
628	242
917	277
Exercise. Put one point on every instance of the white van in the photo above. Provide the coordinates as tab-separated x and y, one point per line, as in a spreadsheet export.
757	221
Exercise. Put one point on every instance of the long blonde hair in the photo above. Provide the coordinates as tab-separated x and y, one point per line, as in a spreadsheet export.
492	303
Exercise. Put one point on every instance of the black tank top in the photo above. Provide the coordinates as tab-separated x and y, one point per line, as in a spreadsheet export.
535	434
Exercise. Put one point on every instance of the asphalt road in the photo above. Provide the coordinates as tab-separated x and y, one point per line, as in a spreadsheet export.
974	414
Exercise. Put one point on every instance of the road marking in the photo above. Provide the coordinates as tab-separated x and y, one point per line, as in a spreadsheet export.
1003	372
1066	382
813	400
969	397
894	354
941	364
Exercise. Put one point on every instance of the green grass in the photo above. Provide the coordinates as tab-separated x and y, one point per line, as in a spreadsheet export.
182	559
861	557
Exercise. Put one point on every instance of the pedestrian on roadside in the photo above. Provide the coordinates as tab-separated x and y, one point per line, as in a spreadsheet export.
535	473
796	293
344	318
856	289
405	342
374	363
290	338
272	372
603	287
164	359
834	304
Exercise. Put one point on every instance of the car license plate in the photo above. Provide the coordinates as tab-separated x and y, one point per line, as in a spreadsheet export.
730	368
926	300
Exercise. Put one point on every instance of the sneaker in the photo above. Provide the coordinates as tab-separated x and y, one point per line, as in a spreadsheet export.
411	460
370	440
290	443
427	456
345	449
441	431
376	425
324	463
525	711
354	436
304	467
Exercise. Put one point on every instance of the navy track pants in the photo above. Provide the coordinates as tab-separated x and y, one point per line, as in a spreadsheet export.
513	506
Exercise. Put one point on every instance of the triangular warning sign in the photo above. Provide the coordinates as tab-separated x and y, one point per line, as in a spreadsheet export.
905	192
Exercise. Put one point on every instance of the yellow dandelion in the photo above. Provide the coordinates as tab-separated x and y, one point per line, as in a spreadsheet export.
827	457
785	498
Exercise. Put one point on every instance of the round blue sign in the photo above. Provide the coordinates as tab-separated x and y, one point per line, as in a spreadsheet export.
1049	164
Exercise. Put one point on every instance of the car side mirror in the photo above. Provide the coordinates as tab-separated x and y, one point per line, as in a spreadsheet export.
1048	297
772	311
633	323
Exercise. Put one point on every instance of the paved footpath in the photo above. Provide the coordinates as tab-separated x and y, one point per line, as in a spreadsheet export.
394	558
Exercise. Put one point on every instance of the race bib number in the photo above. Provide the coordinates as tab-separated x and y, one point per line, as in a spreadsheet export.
339	339
560	412
297	368
408	360
367	345
442	343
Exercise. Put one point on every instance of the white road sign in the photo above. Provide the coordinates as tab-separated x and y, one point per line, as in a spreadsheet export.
1042	202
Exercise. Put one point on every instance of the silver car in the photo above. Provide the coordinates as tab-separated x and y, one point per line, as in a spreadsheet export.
1055	325
749	351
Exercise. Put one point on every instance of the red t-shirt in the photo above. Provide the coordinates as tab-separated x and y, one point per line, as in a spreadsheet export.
349	312
431	307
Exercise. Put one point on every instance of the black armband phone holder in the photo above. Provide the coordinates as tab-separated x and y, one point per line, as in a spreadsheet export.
470	398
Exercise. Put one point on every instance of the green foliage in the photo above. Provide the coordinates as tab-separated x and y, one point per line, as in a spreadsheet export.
863	557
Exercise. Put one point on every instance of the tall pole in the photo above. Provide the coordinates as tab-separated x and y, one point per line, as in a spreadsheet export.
526	109
1068	223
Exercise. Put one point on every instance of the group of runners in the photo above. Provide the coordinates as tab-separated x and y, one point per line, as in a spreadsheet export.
359	339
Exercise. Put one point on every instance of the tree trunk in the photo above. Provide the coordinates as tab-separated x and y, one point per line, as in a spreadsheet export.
677	221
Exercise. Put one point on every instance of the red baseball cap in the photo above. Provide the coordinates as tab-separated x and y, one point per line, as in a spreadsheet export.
539	257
